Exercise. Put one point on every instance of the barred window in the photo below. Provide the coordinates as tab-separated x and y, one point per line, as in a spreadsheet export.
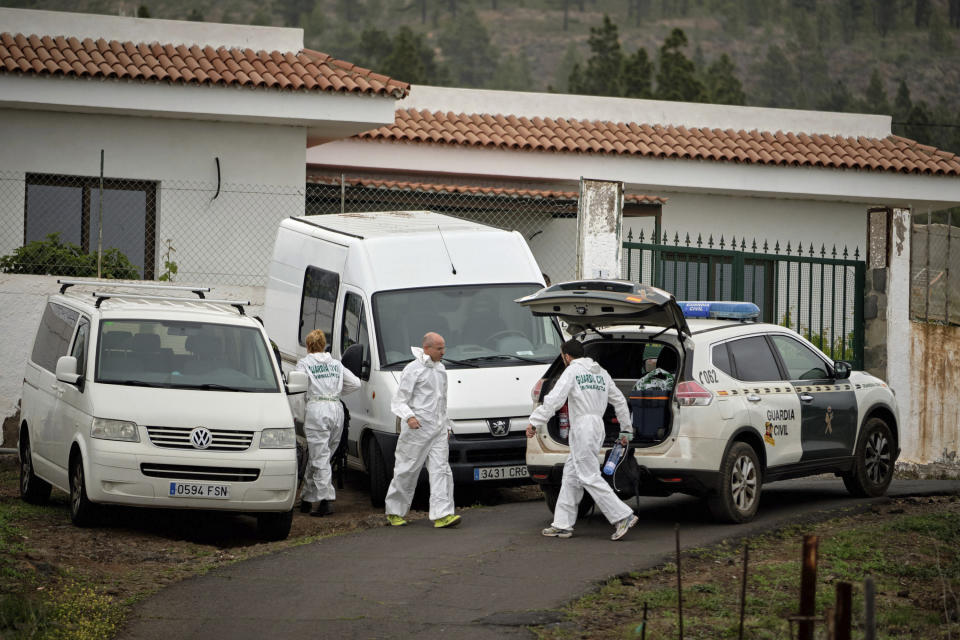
935	267
71	207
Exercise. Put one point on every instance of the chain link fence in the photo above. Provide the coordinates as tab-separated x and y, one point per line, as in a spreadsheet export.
204	233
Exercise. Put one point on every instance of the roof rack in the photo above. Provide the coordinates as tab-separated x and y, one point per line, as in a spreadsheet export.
66	284
236	304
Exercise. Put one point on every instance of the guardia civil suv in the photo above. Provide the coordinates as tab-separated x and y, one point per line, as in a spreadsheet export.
721	404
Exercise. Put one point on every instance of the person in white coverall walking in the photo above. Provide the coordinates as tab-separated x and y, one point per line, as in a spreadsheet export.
421	404
323	421
587	388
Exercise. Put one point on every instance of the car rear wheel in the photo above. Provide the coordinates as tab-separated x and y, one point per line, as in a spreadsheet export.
274	525
738	495
377	470
873	461
32	489
551	493
82	511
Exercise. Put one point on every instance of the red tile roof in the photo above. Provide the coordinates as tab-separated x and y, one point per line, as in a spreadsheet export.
305	70
891	153
431	187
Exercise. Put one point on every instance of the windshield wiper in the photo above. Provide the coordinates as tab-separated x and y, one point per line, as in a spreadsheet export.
502	356
465	363
137	383
213	386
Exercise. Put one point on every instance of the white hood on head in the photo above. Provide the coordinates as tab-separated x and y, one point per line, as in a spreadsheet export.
588	364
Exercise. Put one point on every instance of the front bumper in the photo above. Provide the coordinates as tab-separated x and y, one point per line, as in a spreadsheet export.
260	480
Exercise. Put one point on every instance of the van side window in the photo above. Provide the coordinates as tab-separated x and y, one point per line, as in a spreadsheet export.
79	350
53	335
354	329
320	288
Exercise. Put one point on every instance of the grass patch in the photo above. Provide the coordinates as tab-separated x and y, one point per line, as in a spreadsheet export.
912	554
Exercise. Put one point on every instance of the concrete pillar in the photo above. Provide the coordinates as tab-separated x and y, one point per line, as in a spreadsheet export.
898	373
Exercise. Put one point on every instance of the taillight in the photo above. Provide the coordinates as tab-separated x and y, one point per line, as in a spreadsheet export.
535	393
691	394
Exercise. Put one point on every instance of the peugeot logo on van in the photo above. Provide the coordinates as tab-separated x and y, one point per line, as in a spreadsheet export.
200	438
499	426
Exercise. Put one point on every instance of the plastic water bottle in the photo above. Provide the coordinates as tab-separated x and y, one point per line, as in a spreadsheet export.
615	454
563	418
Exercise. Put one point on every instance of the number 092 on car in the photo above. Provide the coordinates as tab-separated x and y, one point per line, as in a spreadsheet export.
199	490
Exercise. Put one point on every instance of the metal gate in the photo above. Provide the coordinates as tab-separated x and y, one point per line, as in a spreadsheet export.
818	293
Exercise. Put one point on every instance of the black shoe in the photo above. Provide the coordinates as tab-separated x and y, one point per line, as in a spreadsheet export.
305	506
320	509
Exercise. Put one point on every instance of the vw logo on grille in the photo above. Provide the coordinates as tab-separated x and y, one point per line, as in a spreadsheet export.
200	438
499	426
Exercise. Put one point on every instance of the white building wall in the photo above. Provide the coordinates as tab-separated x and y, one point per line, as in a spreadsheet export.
227	239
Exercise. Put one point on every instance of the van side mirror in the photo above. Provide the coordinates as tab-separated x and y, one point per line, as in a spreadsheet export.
353	359
841	369
297	382
67	371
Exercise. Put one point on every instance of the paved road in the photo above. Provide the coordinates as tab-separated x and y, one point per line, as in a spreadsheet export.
485	579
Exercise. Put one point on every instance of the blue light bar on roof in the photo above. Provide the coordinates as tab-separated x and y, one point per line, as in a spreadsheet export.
720	310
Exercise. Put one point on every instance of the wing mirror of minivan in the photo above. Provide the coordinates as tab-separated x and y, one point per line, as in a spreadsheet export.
297	382
67	371
841	369
354	361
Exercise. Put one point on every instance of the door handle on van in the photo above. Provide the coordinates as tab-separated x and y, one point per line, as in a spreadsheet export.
752	397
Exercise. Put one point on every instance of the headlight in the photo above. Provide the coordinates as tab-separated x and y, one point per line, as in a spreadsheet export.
106	429
278	438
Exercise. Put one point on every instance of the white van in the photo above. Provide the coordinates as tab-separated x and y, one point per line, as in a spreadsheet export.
375	283
157	401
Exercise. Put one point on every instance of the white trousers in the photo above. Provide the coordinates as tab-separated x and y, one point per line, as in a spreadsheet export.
323	424
414	448
582	471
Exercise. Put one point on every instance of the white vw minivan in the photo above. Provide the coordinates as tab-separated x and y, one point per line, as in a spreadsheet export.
157	401
375	283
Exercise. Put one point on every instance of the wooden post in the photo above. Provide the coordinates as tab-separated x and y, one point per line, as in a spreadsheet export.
842	615
808	587
743	587
679	583
869	610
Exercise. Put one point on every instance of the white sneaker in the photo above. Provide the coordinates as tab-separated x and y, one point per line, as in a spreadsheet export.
623	526
553	532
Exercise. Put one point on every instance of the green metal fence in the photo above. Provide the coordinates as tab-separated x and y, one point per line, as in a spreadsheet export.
816	292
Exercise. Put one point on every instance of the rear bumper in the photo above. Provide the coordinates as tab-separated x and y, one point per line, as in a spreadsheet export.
655	482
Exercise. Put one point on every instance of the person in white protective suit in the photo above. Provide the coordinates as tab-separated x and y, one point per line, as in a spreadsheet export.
587	388
421	404
323	421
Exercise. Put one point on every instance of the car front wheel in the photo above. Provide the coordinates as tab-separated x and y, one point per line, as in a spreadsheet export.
82	511
32	489
377	470
738	494
274	526
873	461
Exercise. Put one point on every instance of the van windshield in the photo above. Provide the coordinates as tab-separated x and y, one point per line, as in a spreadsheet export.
184	355
482	325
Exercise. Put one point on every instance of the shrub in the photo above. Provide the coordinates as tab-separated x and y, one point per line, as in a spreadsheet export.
56	258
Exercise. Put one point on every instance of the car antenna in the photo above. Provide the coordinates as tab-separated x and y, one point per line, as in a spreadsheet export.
452	268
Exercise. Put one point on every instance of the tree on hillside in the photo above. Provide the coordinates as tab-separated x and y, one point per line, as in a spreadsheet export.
885	14
469	54
875	96
143	11
921	13
850	15
638	75
721	82
955	13
814	84
677	77
939	37
838	98
195	15
513	74
292	10
918	121
603	75
561	76
902	104
776	79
